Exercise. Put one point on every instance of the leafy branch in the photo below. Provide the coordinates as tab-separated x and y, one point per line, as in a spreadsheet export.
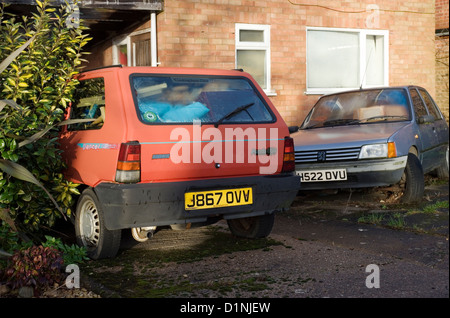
40	55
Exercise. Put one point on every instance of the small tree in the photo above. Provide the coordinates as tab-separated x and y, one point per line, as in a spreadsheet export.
39	79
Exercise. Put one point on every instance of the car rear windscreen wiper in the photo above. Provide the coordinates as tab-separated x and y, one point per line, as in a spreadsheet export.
231	114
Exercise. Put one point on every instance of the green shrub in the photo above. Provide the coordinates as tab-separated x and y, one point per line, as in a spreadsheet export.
71	254
39	80
10	240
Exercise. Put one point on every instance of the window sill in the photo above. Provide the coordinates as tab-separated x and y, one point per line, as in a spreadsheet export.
270	93
324	91
327	91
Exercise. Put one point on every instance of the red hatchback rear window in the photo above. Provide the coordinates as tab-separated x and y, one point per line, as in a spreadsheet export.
185	99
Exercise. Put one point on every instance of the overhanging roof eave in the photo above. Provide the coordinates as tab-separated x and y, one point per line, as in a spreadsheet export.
147	5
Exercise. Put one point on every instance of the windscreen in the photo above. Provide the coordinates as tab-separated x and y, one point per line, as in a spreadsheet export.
359	107
186	99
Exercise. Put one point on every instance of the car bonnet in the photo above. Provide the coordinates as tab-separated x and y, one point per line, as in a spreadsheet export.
344	136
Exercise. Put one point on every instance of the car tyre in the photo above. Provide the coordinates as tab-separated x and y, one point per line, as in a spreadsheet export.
413	181
90	228
442	171
252	227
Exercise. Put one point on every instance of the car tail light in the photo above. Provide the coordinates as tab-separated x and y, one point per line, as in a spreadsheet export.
289	155
129	163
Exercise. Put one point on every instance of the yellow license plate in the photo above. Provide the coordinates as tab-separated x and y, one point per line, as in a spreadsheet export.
217	198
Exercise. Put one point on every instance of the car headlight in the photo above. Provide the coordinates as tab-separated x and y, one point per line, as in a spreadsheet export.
387	150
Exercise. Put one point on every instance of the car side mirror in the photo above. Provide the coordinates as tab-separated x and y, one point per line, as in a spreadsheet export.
293	129
426	119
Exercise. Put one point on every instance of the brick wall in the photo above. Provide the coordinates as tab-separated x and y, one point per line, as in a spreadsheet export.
442	78
442	8
442	57
200	33
100	56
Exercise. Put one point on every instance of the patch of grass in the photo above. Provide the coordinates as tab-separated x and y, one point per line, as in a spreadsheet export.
408	219
371	218
432	208
396	221
434	181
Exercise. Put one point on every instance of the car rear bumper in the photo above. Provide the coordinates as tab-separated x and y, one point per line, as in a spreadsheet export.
158	204
360	174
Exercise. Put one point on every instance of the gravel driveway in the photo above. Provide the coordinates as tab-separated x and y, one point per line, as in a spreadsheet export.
317	249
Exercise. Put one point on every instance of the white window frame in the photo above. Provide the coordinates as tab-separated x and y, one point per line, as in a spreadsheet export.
263	46
123	40
126	40
363	33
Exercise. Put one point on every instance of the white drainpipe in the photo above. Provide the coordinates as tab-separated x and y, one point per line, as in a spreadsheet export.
153	45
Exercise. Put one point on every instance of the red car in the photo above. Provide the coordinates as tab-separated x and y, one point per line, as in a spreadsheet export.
175	147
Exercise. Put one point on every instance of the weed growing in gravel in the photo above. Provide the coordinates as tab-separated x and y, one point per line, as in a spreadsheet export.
371	218
396	221
434	207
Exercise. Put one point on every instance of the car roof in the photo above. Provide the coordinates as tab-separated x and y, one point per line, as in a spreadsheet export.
406	87
167	70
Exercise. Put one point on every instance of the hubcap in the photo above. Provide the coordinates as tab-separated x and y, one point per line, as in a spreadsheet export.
89	224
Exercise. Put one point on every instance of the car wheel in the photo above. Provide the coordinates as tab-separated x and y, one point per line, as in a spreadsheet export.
252	227
412	181
90	228
442	171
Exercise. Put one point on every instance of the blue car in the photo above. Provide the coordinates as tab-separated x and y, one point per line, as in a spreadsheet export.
378	137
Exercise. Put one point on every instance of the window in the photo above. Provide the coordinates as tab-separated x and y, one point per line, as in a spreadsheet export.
430	104
253	52
339	59
419	106
89	105
133	49
359	108
208	99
